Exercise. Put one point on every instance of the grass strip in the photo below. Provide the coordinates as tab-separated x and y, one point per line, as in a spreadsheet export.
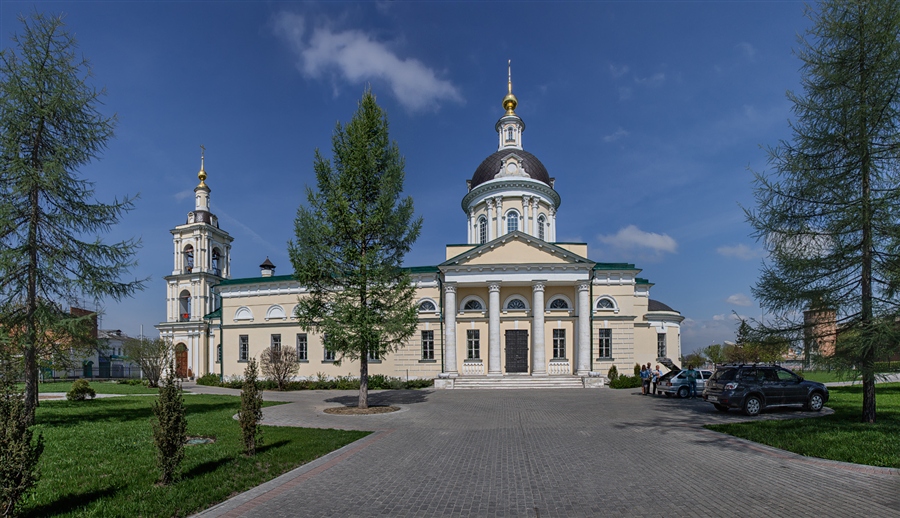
100	460
840	436
101	387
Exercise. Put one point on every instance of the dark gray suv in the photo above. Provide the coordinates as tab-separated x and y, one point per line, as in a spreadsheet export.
754	387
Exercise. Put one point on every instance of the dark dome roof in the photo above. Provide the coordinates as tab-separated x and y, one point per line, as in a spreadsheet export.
656	305
491	166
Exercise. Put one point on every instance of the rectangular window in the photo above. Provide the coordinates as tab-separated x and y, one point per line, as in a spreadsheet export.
276	342
661	345
373	356
243	348
302	350
329	355
427	345
473	344
605	342
559	343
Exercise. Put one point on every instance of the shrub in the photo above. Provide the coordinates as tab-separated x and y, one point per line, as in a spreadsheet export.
169	426
210	380
251	409
80	391
613	373
637	369
18	452
279	365
625	382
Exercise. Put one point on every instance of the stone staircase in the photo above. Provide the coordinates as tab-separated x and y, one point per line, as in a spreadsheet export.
519	382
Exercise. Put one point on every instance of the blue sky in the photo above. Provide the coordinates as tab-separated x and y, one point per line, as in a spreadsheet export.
650	115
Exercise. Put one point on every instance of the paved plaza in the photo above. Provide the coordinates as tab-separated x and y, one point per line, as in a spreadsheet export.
549	453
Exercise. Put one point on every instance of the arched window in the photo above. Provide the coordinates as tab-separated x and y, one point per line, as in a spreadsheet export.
426	305
482	230
189	258
515	304
542	223
216	270
512	221
605	304
559	304
184	305
473	305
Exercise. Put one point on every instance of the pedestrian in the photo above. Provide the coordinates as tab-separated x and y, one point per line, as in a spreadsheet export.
645	379
654	380
692	380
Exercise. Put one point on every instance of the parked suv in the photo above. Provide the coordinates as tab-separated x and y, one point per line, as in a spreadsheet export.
754	387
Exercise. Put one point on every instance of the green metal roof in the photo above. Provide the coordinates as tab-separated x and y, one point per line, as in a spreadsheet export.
215	314
256	280
640	280
615	266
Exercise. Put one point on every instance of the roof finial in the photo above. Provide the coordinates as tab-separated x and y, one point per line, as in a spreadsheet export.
202	174
510	102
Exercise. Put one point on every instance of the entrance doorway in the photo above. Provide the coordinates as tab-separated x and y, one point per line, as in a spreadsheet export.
181	361
516	350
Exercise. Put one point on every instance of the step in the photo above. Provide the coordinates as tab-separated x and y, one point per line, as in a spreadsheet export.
518	382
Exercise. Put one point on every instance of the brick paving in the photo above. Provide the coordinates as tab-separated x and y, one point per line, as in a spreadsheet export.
552	453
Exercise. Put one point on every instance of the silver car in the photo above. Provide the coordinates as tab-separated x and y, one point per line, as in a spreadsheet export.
676	383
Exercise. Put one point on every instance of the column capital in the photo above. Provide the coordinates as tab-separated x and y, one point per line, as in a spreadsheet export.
450	288
584	286
489	202
552	211
538	286
471	211
494	286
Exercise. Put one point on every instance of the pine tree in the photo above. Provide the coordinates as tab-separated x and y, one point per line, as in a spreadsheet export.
828	211
50	127
350	243
250	413
169	426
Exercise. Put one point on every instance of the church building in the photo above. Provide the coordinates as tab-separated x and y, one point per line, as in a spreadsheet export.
511	304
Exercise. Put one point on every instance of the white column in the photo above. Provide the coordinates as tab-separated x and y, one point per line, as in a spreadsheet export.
583	353
490	220
534	216
179	267
471	225
494	329
525	213
499	202
450	329
552	225
538	362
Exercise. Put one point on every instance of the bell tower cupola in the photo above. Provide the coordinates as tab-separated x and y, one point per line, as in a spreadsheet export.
201	192
510	126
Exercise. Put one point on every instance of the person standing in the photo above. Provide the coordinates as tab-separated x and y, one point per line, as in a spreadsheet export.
692	380
654	380
645	379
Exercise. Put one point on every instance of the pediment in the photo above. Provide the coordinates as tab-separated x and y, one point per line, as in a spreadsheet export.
517	248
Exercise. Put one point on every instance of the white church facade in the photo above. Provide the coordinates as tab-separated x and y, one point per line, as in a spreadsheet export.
511	301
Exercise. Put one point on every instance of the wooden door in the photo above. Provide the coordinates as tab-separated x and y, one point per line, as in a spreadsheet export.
181	361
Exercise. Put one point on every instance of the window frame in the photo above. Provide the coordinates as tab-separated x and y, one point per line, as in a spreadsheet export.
559	344
511	217
275	341
243	348
427	342
302	347
661	345
482	230
473	344
604	343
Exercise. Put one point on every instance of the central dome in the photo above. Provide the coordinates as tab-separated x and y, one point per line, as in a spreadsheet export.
491	166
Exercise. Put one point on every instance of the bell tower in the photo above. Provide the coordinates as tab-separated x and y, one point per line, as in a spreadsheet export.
201	259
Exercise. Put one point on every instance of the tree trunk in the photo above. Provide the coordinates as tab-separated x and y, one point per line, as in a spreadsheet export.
364	380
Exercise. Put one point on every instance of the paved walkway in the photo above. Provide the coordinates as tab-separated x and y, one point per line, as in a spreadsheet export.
551	453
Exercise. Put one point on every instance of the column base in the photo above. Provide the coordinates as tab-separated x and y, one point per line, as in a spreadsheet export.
583	373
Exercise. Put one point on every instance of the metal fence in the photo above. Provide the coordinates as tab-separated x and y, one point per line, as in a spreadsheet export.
112	371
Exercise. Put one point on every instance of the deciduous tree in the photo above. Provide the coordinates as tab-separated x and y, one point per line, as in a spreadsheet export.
279	364
350	242
828	209
151	355
50	128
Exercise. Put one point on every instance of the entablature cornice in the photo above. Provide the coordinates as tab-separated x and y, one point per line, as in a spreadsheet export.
497	185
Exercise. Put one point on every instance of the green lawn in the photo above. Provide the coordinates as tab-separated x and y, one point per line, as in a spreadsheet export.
824	376
837	437
99	458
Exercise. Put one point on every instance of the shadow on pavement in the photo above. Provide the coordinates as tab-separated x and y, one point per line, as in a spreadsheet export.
388	397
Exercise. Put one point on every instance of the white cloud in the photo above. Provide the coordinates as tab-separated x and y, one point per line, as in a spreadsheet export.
719	318
618	71
739	299
631	237
616	135
656	79
740	252
748	50
358	58
183	195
